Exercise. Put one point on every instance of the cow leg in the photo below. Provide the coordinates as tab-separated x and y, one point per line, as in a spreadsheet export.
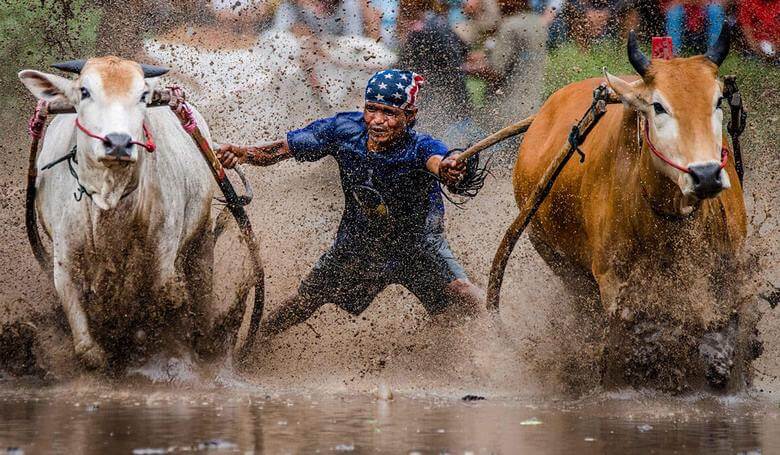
86	348
577	280
717	350
610	287
199	276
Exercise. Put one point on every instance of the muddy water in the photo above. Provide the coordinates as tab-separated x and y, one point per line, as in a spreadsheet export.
248	419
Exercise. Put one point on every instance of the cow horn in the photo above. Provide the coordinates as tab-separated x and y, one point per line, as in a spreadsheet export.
638	60
153	71
71	66
718	51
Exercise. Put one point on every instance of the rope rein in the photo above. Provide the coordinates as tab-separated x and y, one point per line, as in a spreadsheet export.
149	145
724	152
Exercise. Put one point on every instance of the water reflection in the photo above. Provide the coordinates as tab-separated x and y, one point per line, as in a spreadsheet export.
153	421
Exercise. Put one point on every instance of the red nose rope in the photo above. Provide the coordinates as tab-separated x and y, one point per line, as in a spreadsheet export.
149	145
724	153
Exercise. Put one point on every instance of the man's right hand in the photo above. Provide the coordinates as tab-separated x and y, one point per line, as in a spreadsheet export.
230	155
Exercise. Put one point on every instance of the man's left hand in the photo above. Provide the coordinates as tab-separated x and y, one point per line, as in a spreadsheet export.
451	171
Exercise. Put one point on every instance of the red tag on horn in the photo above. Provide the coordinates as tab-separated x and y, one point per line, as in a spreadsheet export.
662	47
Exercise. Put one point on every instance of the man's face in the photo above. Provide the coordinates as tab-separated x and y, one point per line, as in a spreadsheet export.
386	123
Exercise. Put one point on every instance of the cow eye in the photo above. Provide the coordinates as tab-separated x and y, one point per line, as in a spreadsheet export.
659	109
84	93
143	97
719	104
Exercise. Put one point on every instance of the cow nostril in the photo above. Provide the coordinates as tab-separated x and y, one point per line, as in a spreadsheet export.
117	141
706	178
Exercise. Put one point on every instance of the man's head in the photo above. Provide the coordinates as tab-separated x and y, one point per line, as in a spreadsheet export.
391	104
386	124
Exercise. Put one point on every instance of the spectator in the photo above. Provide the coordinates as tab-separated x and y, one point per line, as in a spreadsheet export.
243	14
508	51
482	18
388	14
433	49
326	17
586	21
760	24
649	17
689	22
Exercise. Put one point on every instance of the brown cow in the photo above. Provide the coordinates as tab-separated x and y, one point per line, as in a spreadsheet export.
659	232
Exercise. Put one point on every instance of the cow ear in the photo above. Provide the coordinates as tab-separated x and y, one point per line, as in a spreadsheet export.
47	87
628	92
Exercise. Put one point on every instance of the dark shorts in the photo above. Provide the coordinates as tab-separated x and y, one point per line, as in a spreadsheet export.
352	277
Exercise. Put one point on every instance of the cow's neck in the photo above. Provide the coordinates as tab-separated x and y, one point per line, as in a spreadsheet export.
658	192
129	220
107	187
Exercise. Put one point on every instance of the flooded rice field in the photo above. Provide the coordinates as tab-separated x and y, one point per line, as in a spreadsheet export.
248	420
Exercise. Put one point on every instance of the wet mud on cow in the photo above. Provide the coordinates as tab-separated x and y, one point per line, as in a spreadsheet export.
126	201
653	221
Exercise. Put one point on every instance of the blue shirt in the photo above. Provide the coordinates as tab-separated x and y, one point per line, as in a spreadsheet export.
388	195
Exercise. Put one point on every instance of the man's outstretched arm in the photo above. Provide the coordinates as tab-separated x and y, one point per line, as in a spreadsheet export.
261	155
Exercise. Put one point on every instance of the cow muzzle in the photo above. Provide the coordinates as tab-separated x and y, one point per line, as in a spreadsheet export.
118	147
708	179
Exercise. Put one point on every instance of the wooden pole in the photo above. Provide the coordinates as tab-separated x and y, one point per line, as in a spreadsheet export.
504	133
535	200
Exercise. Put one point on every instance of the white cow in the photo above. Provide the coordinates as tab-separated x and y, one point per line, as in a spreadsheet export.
130	227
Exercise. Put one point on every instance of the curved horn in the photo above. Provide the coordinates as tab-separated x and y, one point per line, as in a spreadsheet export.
71	66
718	51
153	71
638	60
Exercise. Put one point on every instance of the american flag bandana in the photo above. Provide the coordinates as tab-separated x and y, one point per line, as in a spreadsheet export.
394	87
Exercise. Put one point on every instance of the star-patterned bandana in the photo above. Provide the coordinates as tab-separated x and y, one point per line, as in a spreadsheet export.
394	87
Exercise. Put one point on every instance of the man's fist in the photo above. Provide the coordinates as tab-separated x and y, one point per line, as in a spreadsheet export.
230	155
451	171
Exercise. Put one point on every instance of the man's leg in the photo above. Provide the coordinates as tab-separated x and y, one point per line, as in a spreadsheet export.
715	17
434	275
675	25
464	298
341	276
293	311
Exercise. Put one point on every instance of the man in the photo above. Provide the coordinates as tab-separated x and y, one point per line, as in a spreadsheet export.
391	231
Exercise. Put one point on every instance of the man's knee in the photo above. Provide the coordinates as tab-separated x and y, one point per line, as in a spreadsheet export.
467	296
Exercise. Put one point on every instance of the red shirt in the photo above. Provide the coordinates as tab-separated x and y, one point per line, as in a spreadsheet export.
762	17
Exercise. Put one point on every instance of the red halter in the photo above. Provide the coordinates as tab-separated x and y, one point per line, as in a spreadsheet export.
149	145
724	153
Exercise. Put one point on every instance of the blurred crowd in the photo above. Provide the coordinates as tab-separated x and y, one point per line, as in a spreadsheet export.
480	26
483	57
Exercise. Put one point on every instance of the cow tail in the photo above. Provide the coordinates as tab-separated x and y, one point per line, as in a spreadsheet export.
500	260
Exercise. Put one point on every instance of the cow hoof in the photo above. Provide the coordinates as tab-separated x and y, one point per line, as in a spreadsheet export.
717	352
92	355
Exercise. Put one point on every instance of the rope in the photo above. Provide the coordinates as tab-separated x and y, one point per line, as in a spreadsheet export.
70	157
470	185
37	121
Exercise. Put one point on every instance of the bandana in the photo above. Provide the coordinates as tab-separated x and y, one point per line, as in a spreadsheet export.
394	87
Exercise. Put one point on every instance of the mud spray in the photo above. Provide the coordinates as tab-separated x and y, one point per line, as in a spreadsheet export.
546	343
